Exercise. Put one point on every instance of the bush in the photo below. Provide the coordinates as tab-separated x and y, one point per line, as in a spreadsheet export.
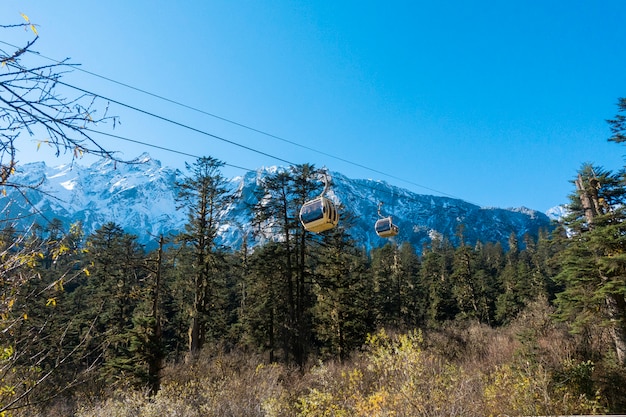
394	375
227	385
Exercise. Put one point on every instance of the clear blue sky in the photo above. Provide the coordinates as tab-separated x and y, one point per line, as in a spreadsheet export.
495	102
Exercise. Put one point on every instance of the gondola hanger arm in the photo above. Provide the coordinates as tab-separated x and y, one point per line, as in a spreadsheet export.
325	179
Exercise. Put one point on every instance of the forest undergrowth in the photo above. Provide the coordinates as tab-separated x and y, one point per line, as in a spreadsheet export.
529	367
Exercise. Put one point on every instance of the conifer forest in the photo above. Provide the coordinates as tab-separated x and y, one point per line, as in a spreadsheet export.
312	321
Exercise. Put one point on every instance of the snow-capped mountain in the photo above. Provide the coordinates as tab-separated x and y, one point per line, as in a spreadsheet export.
138	197
558	212
141	199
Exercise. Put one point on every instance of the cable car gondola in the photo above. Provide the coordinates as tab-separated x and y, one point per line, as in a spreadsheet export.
319	214
384	226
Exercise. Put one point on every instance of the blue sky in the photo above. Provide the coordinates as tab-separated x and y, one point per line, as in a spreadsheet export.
495	102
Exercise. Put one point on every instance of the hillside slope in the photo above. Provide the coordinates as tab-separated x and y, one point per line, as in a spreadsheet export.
141	198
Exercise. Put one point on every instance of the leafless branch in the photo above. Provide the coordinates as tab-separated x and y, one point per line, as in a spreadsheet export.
14	404
30	103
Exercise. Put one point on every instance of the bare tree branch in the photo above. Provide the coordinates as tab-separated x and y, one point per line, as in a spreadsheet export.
30	102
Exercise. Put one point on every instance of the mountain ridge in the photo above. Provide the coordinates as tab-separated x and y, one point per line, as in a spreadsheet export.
141	199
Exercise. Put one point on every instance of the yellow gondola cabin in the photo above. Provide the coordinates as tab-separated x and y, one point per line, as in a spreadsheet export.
319	215
384	227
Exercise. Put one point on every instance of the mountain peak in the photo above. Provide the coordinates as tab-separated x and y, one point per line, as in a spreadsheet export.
140	197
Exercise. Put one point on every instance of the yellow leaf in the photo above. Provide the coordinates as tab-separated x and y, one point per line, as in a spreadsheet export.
25	17
86	271
38	145
4	192
25	316
51	302
32	27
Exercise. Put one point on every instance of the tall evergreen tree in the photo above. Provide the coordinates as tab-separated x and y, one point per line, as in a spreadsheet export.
513	280
342	312
264	310
618	123
594	259
204	194
436	277
396	289
147	345
107	298
306	185
473	286
275	214
465	288
412	291
282	194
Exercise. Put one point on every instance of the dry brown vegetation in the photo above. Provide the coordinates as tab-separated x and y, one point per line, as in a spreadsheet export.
527	368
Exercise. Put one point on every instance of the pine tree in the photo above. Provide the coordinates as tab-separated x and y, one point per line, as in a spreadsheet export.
618	124
276	207
513	280
279	202
146	337
436	277
412	291
472	284
594	259
396	290
342	312
465	289
264	311
107	298
306	185
204	193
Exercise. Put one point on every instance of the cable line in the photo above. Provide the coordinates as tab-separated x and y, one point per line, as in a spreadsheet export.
203	132
158	147
179	124
163	148
240	145
361	183
244	126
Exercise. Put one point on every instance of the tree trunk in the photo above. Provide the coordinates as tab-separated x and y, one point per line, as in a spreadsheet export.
155	363
616	308
585	200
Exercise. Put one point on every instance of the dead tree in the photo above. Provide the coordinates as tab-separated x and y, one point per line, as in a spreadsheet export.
31	105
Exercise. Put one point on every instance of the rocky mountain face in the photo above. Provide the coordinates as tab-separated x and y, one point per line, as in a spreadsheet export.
141	199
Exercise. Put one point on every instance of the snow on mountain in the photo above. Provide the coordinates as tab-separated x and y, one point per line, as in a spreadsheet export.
558	212
141	199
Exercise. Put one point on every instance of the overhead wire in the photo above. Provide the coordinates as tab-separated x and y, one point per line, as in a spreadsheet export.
361	183
163	148
171	121
230	121
203	132
231	141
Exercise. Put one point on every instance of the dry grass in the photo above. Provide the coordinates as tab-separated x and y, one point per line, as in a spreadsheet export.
529	367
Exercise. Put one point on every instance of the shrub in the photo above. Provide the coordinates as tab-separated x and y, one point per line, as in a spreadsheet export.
394	378
394	375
